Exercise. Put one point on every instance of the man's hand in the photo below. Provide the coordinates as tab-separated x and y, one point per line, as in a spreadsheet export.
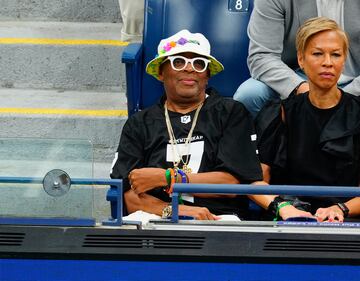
330	214
199	213
142	180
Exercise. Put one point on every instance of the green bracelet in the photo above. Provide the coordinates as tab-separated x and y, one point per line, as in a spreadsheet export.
181	201
280	205
168	177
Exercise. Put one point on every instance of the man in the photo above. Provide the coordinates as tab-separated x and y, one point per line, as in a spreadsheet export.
272	55
191	135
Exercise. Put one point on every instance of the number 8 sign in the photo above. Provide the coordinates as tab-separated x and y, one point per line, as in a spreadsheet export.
238	5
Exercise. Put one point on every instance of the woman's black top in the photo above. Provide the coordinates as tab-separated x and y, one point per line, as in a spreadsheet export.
311	146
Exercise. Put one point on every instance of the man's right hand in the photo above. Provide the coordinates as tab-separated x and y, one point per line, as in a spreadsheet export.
199	213
144	179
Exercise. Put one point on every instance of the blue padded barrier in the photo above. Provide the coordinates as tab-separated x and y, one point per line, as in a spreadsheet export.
243	189
337	191
223	22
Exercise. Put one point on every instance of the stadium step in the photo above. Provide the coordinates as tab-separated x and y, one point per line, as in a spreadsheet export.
56	55
61	75
95	116
64	10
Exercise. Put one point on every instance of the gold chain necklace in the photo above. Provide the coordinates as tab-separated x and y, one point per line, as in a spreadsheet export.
174	146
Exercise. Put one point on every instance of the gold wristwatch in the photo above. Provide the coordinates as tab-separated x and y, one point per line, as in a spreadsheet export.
166	212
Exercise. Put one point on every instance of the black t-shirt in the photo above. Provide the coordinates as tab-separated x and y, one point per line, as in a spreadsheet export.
223	140
306	162
314	146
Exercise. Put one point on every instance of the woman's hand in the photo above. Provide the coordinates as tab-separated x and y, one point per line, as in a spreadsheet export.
330	214
290	211
142	180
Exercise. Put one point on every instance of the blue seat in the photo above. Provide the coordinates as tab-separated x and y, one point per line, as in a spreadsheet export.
223	22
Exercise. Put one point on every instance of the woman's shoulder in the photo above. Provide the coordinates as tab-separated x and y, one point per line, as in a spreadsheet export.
352	99
295	100
350	107
346	120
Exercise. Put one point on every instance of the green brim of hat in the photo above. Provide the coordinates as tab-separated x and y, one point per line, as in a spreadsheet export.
153	66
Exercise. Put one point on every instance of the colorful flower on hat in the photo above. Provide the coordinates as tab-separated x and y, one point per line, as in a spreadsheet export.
167	47
182	41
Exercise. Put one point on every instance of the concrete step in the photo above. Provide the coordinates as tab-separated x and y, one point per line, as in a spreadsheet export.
70	56
61	76
64	10
87	115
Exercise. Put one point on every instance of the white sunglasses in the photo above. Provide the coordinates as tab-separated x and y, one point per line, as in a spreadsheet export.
179	63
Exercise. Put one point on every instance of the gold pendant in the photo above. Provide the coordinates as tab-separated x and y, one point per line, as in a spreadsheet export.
186	169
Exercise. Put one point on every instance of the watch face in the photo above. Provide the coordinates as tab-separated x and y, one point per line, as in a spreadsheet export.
167	212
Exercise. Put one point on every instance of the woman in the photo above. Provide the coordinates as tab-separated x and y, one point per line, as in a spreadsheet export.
313	138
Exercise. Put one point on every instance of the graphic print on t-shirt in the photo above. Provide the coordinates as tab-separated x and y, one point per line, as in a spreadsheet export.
185	119
195	150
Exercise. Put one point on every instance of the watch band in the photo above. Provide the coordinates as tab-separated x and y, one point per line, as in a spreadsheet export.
274	204
344	209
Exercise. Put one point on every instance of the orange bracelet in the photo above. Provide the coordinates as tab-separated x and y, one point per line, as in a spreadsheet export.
172	174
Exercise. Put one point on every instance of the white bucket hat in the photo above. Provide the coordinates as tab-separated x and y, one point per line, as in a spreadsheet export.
181	42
